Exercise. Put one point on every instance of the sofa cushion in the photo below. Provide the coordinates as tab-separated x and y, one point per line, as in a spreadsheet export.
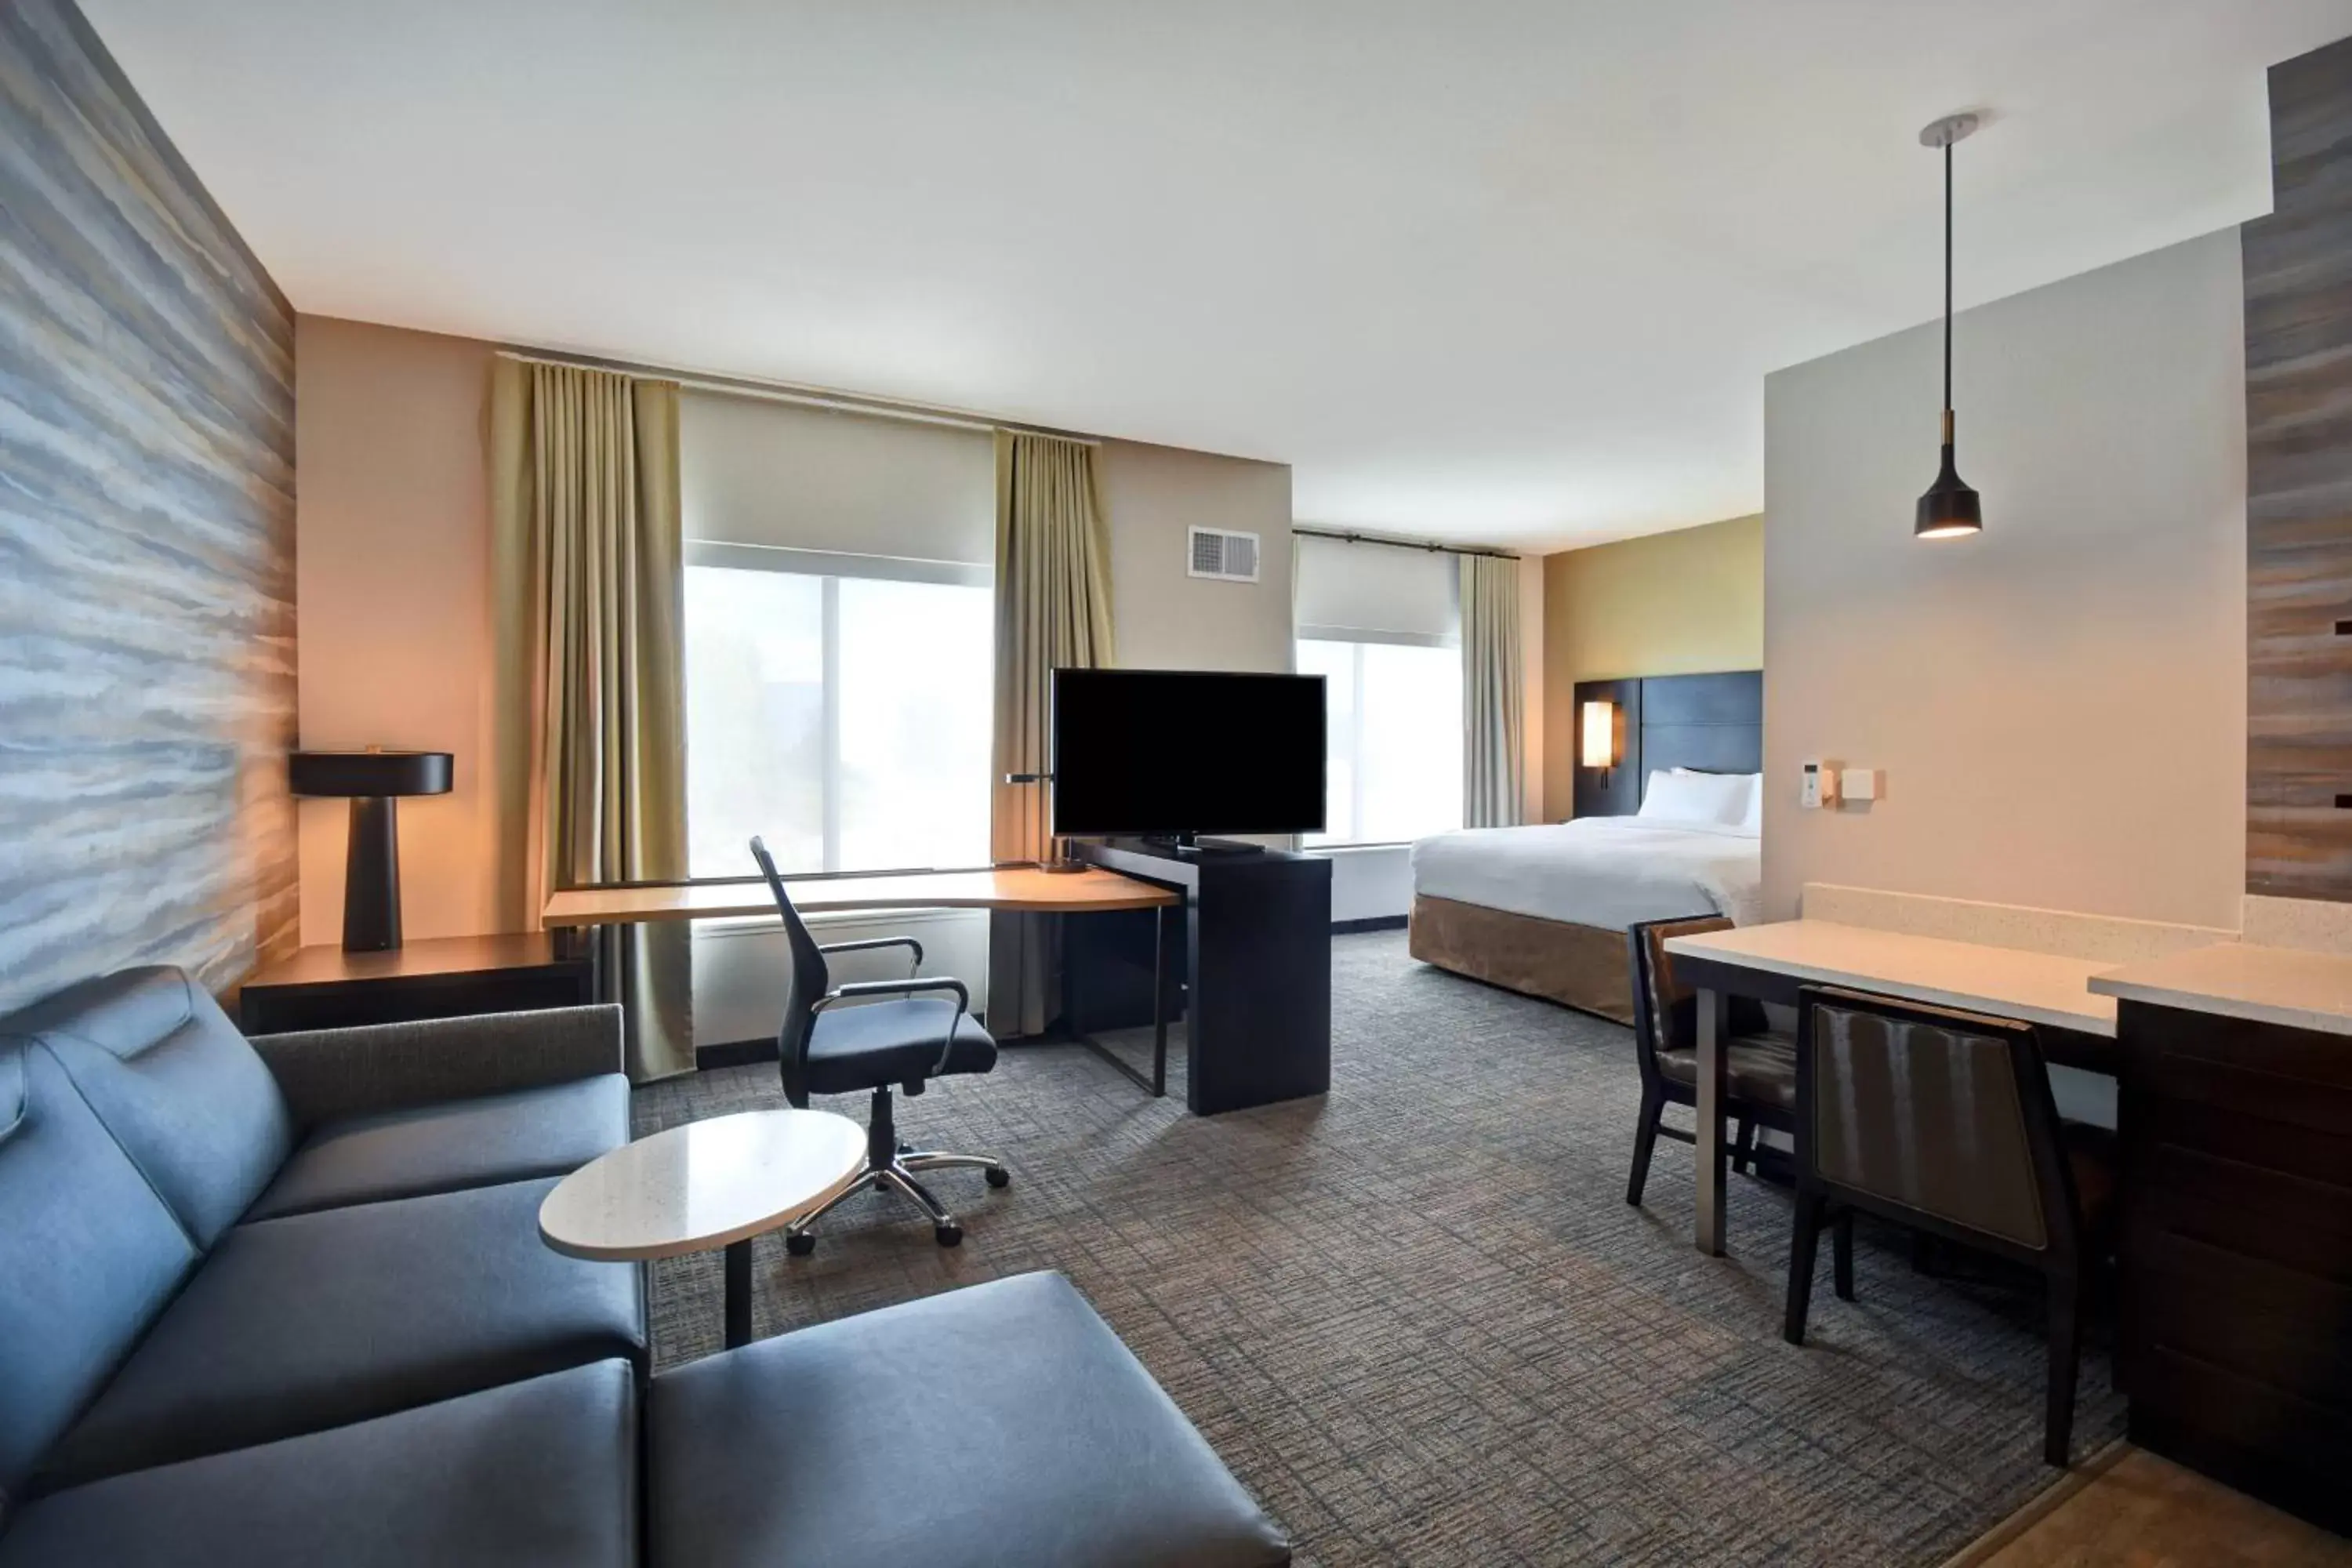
549	1131
1004	1423
88	1255
297	1324
176	1084
540	1472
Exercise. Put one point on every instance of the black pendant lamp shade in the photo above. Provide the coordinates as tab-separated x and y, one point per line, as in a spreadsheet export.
1950	509
372	781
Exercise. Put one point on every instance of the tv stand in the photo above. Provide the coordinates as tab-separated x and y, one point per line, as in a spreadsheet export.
1257	968
1192	845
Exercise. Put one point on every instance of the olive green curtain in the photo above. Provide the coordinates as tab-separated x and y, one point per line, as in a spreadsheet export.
589	705
1053	612
1491	686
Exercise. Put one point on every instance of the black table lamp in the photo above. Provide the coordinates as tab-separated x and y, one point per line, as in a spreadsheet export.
370	780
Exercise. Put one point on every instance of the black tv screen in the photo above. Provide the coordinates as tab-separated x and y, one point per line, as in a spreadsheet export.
1161	752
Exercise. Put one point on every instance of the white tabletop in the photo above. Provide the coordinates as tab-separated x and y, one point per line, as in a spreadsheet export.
2032	987
702	1185
2267	984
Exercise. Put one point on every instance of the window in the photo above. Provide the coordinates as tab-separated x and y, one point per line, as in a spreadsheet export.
1394	717
843	718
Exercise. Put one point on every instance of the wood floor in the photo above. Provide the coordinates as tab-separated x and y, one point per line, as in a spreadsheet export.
2128	1509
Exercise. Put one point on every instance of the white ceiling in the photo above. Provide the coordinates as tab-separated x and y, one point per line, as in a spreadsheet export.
1503	270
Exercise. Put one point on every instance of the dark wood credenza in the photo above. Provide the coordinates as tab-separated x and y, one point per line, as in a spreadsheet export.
2235	1320
324	987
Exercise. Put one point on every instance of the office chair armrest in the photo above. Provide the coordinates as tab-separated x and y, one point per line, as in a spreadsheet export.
856	988
869	944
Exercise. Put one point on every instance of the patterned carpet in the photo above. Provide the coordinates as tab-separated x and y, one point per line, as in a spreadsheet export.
1419	1320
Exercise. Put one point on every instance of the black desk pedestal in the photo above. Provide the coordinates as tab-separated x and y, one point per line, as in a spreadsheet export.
1255	957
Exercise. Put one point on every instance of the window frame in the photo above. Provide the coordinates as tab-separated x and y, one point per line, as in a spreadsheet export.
1357	637
829	567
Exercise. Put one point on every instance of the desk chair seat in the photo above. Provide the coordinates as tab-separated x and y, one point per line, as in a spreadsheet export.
1759	1068
825	1048
858	1048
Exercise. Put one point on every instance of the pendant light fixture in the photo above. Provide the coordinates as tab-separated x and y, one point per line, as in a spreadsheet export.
1950	509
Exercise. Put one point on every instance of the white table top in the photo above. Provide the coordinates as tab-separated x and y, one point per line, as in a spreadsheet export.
702	1185
2032	987
2267	984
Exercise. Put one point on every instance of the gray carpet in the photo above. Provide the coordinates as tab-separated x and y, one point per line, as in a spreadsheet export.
1419	1320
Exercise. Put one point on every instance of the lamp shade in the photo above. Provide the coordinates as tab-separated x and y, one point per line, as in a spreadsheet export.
368	774
1598	742
1950	509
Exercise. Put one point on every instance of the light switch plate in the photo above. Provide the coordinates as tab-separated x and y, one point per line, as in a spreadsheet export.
1858	783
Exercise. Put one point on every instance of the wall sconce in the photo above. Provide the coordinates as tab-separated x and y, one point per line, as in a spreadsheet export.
1597	745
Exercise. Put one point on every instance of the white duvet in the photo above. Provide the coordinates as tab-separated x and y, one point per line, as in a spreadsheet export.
1604	871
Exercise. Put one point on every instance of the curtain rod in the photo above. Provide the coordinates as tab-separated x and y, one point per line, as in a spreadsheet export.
1431	545
808	396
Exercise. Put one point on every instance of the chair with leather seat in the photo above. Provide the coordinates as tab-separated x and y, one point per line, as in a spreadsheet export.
1759	1066
825	1047
1942	1120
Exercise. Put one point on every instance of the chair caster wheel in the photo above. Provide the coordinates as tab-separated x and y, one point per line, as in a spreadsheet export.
799	1246
949	1235
998	1176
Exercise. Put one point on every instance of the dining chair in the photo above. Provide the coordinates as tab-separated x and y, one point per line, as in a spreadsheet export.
1760	1066
1942	1120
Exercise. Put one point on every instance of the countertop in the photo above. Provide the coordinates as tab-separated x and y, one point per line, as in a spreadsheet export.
2299	989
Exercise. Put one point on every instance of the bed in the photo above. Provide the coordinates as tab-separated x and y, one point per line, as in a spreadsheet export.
1543	909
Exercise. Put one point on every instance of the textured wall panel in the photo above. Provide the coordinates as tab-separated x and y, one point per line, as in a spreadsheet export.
2299	490
146	542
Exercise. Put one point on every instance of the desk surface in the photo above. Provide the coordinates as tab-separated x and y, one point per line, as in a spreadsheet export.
2266	985
1021	887
2033	987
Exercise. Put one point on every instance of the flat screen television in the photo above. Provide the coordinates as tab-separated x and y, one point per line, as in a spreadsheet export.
1161	753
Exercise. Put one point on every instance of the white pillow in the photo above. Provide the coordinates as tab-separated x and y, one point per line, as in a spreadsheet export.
1719	800
1754	819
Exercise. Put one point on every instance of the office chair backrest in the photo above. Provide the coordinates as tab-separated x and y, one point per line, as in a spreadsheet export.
1666	1015
1942	1112
810	980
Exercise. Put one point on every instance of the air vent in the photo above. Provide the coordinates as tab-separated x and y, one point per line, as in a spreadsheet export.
1227	557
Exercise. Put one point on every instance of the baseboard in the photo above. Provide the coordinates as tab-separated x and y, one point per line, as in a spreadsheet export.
1378	922
734	1054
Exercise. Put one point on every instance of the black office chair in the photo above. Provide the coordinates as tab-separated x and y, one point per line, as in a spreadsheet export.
908	1042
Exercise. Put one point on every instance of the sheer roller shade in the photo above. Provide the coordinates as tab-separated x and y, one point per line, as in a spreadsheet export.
1375	593
760	473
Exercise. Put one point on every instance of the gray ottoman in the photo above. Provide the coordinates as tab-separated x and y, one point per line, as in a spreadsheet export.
1000	1424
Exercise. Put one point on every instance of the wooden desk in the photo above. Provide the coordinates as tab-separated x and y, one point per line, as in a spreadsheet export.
324	987
1772	962
1022	890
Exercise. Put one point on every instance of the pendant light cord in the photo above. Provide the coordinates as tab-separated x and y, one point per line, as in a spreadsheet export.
1947	286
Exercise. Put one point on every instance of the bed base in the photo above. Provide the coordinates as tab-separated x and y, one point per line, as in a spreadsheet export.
1578	966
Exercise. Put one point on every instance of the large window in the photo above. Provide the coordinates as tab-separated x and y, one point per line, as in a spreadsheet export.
843	718
1394	717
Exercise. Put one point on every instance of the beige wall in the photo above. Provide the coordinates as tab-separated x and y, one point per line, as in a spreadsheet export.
391	556
2059	704
1163	619
1684	603
392	601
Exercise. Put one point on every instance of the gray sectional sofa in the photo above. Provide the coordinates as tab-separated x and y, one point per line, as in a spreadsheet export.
283	1301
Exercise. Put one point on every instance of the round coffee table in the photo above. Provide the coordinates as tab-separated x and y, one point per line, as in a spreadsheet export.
718	1183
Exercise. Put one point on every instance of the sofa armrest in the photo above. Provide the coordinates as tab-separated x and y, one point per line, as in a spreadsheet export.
331	1073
